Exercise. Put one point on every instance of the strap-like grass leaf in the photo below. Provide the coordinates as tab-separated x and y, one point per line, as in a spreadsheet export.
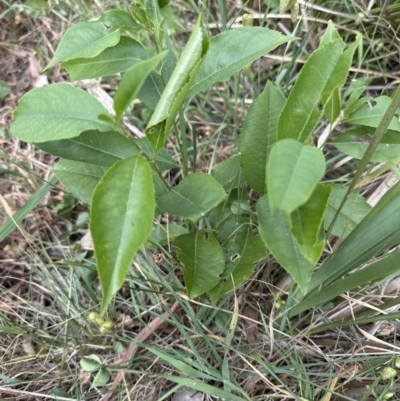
58	111
121	218
86	39
174	94
275	231
352	213
115	59
293	171
93	147
300	114
378	231
193	197
259	134
203	258
232	50
79	178
132	82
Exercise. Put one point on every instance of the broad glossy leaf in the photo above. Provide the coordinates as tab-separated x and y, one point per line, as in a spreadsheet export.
84	40
193	197
379	270
300	114
115	59
332	105
228	173
259	134
352	213
93	147
307	223
331	34
79	178
203	258
174	94
371	117
119	19
241	256
57	111
232	50
132	82
275	231
121	220
355	142
378	231
293	171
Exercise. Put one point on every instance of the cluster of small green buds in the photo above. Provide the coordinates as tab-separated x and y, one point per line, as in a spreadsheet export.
292	5
388	373
105	326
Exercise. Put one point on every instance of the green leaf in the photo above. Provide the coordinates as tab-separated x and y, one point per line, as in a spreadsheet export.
241	256
58	111
132	82
119	19
332	106
162	234
118	58
171	19
86	39
331	34
275	231
307	223
293	171
378	231
228	173
371	117
355	143
354	102
91	363
172	98
4	89
300	115
79	178
93	147
259	134
121	220
102	378
163	159
352	213
232	50
193	197
376	271
203	258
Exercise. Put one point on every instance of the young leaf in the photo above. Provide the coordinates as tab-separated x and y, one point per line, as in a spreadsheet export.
57	111
352	213
119	19
132	82
86	39
115	59
371	117
355	143
293	171
79	178
121	219
332	105
275	232
378	231
91	363
307	223
203	258
300	115
354	102
241	256
259	134
93	147
102	377
171	100
193	197
231	51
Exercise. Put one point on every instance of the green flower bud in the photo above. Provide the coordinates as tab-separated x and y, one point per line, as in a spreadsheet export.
397	362
93	316
106	327
387	396
294	12
99	321
388	373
